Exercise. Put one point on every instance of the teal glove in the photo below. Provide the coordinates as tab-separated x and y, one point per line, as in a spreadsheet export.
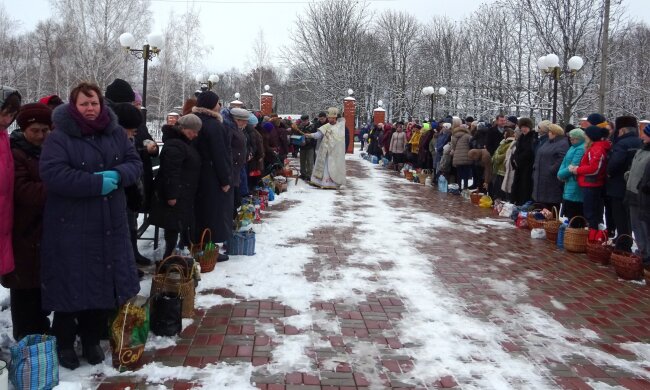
108	185
110	174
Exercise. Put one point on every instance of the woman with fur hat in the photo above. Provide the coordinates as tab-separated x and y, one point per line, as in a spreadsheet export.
24	282
591	174
522	161
214	198
572	197
87	265
547	189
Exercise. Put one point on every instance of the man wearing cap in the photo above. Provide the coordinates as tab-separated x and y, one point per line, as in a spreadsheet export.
626	144
172	118
9	105
24	283
329	170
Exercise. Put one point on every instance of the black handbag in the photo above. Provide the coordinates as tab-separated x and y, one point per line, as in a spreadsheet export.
166	314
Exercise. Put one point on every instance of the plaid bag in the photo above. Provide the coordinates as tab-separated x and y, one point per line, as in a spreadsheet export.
34	363
242	243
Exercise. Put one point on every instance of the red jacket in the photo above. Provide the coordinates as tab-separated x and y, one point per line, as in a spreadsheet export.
592	170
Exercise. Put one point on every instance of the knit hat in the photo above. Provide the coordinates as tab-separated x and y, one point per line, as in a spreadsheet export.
128	115
577	133
119	91
595	119
207	99
5	93
524	122
594	133
239	113
34	113
626	121
268	126
252	119
646	130
513	119
190	121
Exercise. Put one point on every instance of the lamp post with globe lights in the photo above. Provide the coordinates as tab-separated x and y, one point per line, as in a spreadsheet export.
431	92
149	50
550	65
206	83
266	101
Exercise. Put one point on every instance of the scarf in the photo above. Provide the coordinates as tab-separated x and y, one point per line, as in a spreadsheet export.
90	127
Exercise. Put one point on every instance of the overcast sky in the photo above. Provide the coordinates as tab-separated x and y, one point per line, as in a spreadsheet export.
243	18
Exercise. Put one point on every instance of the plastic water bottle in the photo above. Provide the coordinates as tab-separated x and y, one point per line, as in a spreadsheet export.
560	235
442	183
427	181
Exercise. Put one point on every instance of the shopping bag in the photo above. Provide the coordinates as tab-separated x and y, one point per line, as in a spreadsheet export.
506	210
128	333
166	314
242	243
34	363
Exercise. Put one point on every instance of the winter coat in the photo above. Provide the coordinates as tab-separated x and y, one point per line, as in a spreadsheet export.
29	200
493	139
425	159
398	142
255	149
592	170
523	159
178	178
460	147
86	258
619	162
572	191
541	140
644	194
141	135
443	139
414	142
547	188
386	137
6	204
499	157
272	141
509	175
374	146
484	161
310	143
237	145
213	208
637	175
479	138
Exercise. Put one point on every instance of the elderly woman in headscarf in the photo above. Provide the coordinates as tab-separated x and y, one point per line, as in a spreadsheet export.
547	188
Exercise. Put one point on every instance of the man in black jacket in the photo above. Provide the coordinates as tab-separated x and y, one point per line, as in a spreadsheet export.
495	134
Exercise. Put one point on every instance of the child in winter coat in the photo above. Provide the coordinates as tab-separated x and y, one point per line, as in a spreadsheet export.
591	174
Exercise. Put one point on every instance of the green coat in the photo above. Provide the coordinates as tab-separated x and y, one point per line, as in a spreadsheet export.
499	158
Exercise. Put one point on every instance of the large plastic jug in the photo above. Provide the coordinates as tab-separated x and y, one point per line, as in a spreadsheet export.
442	183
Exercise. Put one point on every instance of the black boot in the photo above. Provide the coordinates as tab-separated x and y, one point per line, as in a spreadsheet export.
68	358
94	354
139	259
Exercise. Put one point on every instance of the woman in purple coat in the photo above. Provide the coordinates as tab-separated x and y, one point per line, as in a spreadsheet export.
87	265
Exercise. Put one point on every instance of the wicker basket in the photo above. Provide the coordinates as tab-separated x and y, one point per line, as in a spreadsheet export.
646	275
207	258
575	239
534	223
475	197
424	174
182	283
552	226
627	265
599	252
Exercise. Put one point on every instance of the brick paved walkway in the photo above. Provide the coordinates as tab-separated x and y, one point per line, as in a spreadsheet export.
522	304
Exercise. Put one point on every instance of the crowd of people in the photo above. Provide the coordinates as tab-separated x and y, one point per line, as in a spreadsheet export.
75	176
599	170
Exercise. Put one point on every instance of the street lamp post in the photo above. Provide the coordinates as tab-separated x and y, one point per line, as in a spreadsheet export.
550	65
206	84
149	50
431	92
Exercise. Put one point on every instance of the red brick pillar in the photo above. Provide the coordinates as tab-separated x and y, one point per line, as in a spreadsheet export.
349	113
379	115
266	103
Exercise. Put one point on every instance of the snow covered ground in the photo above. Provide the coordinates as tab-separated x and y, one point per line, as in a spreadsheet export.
437	331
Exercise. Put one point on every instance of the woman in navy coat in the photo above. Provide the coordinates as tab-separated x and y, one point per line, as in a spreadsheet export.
87	265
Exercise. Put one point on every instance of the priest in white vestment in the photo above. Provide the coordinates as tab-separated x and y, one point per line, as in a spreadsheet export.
329	169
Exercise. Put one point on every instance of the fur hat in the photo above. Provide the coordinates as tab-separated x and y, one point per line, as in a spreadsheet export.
34	113
524	122
239	113
595	119
332	112
190	121
128	115
119	91
594	133
626	121
207	99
